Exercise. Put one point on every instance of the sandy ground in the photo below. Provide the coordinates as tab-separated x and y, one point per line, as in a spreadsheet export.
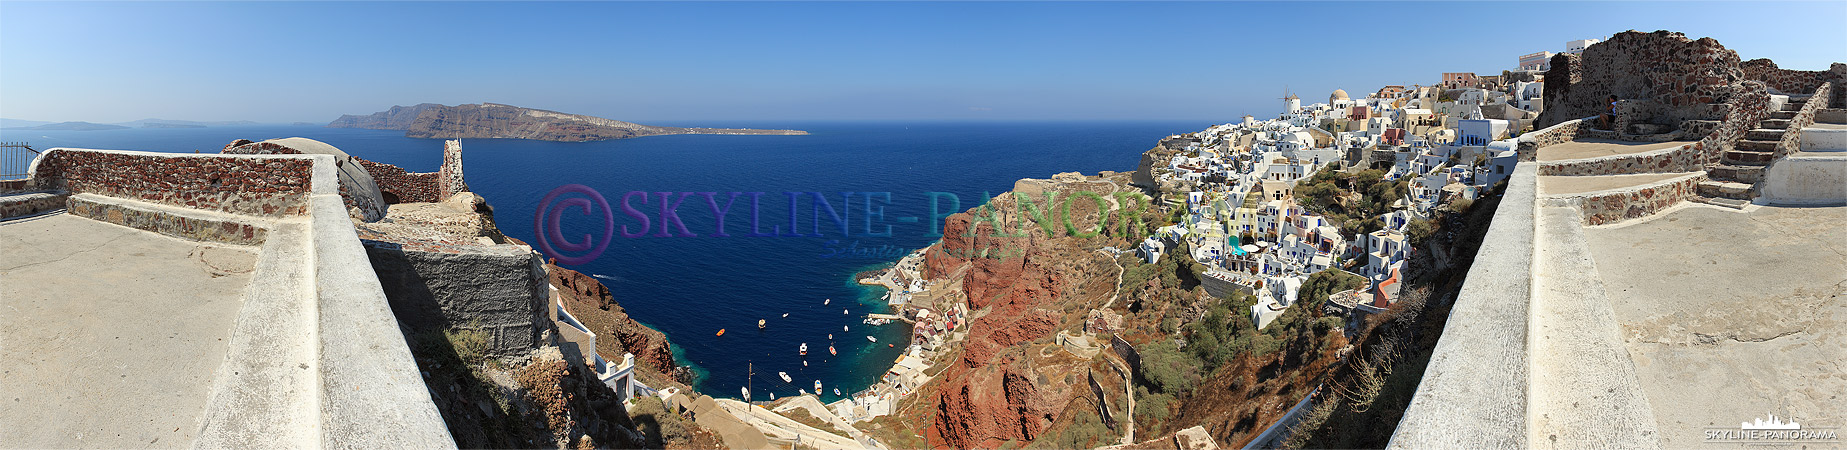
1592	148
110	337
1730	316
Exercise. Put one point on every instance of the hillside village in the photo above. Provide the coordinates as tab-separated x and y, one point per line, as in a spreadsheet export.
1247	215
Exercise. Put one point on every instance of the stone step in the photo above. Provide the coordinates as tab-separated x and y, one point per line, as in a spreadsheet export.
1725	189
21	204
1774	124
1756	145
1737	173
1785	114
1748	158
1721	201
1764	134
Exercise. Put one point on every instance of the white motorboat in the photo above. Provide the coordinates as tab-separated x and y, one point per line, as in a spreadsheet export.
785	377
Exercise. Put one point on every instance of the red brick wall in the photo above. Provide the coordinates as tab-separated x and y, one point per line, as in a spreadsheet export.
253	186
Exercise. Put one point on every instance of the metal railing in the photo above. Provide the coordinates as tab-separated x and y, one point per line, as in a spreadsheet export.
15	159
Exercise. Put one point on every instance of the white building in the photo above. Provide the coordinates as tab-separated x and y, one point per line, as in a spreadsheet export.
1578	46
1480	131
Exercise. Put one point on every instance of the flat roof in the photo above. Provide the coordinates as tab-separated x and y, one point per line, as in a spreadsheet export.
112	335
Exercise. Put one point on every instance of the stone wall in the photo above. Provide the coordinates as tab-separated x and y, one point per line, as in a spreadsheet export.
499	289
1674	75
258	186
1788	81
357	189
1792	137
1530	143
402	186
449	176
176	223
1685	158
1616	205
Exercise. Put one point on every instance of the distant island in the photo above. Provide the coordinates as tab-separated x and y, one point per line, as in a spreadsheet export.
18	124
71	126
496	121
166	123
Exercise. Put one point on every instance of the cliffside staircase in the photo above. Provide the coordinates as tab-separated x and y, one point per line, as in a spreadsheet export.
1733	182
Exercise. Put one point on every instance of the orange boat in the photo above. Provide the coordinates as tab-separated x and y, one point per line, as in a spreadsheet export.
721	331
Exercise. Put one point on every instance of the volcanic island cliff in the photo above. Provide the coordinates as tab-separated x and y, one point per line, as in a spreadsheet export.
497	121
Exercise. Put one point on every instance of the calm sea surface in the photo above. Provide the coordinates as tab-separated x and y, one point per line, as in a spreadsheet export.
690	287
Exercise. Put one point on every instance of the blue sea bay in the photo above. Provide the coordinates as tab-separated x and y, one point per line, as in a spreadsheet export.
689	287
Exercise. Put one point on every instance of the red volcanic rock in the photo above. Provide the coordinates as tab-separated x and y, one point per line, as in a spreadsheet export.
591	302
990	406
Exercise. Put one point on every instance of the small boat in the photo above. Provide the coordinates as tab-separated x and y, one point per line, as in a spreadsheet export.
830	336
817	387
844	311
830	350
836	392
785	314
890	346
772	396
843	328
785	377
825	302
721	331
873	339
746	392
760	324
804	363
804	349
802	391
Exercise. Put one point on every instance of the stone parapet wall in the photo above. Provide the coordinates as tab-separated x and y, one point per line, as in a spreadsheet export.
174	222
270	186
403	186
1792	136
1685	158
1792	81
1474	389
1617	205
420	187
1530	143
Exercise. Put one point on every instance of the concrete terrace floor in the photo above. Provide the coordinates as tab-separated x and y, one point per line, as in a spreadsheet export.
1592	148
110	336
1582	184
1729	316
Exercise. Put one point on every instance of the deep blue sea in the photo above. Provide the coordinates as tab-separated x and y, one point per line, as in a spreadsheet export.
691	287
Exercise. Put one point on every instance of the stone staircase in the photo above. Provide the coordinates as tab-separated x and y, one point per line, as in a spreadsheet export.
1734	181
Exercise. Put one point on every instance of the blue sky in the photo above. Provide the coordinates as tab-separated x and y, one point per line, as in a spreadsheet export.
682	63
